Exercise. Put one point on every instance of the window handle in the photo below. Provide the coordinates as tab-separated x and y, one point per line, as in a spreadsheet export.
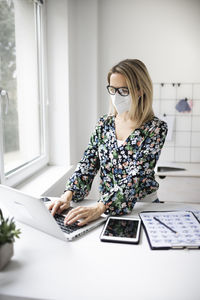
4	95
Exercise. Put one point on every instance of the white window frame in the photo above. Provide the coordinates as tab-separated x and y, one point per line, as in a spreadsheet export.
23	172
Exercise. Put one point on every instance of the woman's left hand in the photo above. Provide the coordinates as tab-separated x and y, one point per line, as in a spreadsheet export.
88	214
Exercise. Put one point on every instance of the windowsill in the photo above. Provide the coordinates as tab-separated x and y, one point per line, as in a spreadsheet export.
49	181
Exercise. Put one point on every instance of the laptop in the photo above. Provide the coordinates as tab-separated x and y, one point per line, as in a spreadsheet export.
34	212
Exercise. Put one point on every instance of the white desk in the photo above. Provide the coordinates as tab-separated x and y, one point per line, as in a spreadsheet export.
87	269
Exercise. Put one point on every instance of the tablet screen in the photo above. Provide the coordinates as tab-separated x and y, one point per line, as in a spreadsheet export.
121	228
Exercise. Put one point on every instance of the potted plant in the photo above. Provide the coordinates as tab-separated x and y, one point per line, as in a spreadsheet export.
8	233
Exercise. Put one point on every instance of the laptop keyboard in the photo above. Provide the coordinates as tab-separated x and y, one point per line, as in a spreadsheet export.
66	228
60	220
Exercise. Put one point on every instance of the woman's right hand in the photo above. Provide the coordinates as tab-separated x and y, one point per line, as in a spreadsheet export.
63	203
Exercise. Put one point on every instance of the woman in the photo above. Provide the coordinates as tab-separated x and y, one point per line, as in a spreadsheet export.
125	146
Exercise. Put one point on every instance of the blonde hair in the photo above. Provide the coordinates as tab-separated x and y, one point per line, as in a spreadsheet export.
140	88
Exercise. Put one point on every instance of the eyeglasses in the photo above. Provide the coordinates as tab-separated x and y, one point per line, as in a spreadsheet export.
123	91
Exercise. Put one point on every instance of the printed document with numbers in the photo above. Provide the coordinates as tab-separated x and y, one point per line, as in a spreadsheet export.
172	229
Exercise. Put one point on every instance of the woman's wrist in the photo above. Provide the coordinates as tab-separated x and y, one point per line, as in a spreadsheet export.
67	196
101	208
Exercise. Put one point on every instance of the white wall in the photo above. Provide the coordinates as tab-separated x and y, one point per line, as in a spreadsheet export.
164	34
83	70
72	49
58	81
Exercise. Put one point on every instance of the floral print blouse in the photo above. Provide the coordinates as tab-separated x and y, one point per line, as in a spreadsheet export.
126	172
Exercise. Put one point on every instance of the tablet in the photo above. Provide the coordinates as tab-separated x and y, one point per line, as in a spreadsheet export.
120	229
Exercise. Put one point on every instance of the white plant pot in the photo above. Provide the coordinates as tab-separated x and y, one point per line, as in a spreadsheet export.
6	252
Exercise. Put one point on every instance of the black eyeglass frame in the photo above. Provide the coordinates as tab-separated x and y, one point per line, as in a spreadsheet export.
117	90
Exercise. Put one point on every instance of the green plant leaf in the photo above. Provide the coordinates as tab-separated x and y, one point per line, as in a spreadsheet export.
8	231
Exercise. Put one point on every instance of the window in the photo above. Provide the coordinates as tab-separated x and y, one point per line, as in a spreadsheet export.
23	143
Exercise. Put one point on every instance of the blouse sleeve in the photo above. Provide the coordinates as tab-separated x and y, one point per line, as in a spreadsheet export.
81	181
126	192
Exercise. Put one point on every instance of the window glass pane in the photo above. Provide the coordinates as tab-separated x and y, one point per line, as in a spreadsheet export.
19	77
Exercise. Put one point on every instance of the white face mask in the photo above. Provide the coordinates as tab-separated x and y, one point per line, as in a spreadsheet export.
121	103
